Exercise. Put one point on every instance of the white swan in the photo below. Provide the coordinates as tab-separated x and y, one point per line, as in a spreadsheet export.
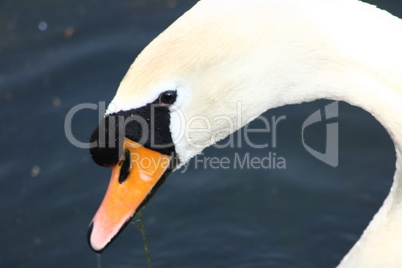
265	54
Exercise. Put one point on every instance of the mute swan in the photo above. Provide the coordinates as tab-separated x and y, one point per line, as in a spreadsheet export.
264	54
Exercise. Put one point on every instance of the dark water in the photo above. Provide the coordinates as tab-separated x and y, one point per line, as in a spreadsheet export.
57	54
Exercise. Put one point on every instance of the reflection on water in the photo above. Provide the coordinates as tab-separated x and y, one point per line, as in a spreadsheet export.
57	54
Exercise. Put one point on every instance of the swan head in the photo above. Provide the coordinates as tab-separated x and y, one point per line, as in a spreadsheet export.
210	73
173	102
183	93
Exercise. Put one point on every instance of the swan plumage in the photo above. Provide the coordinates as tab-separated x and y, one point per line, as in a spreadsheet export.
269	53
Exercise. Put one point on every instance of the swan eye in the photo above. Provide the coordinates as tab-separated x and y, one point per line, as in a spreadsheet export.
167	97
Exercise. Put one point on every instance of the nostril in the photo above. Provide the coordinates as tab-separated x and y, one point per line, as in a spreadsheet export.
125	167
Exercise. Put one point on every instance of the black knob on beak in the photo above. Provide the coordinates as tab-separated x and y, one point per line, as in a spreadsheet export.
106	145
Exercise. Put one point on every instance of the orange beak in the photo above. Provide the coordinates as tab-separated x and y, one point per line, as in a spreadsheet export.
132	181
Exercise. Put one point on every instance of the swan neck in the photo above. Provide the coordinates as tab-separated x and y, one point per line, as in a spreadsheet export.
379	246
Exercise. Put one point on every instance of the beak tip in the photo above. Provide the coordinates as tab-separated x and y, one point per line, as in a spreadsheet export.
89	236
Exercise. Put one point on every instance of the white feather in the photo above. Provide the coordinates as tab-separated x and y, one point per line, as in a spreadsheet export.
269	53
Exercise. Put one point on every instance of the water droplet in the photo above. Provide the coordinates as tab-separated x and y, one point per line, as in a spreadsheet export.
9	96
56	102
42	25
35	171
37	241
172	3
68	32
